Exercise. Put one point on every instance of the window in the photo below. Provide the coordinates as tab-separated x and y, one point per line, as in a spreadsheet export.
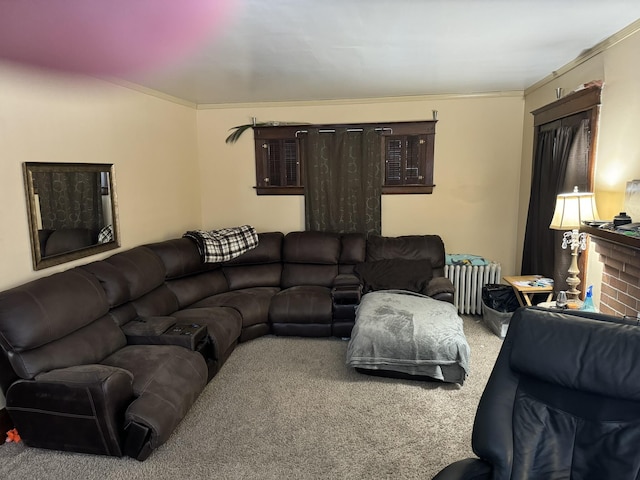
278	168
408	157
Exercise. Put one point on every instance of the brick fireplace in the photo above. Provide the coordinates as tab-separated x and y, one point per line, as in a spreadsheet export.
620	256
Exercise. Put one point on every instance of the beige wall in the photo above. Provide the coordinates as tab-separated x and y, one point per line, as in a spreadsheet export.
482	169
618	143
151	141
474	206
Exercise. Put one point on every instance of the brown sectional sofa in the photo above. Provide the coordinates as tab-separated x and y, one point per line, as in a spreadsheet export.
108	357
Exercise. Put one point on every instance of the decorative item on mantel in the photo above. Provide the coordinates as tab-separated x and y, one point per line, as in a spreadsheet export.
621	219
572	209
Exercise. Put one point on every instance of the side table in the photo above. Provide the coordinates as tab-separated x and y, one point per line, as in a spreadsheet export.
524	290
574	305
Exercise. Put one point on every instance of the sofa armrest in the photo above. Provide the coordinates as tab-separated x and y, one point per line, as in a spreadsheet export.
441	288
347	290
467	469
345	298
80	408
346	295
346	279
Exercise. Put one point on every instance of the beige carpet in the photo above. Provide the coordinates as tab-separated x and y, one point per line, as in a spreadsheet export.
289	408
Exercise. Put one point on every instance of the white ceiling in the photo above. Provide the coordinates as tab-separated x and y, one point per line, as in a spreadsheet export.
287	50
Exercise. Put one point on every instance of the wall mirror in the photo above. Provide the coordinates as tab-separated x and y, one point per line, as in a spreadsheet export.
72	211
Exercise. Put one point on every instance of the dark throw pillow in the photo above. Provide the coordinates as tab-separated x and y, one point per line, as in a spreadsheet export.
395	274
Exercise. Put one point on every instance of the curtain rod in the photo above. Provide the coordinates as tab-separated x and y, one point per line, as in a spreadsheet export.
330	130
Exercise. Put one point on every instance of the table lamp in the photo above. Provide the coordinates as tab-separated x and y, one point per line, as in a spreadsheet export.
571	210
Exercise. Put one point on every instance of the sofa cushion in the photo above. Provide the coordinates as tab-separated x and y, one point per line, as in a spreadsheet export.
112	281
142	269
251	303
268	250
123	314
395	274
89	344
159	301
354	246
188	290
247	276
180	257
49	308
294	274
310	258
409	247
311	248
302	304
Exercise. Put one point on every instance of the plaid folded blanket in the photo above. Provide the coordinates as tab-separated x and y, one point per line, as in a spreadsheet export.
224	244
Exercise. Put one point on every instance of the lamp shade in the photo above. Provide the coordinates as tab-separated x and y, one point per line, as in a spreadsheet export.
572	209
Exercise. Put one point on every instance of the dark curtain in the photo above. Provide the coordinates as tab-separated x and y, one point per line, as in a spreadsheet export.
549	169
69	199
342	180
576	175
578	162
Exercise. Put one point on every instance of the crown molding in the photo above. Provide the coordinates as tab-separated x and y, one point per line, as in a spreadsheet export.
360	101
148	91
587	55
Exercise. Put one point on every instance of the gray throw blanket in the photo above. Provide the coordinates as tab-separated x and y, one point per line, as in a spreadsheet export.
410	333
224	244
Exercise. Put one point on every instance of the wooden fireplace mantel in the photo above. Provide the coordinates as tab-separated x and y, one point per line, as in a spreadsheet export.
612	236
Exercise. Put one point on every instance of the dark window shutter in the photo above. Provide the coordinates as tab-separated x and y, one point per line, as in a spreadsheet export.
291	162
273	162
393	161
413	170
282	163
405	160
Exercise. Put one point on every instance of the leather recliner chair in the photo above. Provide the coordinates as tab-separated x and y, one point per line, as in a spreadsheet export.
562	402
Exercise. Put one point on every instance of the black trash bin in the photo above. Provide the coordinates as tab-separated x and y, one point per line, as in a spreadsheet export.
498	304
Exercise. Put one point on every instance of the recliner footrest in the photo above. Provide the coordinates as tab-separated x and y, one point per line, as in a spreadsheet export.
136	444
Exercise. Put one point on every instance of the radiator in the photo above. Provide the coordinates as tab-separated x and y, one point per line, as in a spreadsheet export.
468	281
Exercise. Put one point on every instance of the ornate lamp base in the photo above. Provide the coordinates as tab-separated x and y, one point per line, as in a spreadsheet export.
577	241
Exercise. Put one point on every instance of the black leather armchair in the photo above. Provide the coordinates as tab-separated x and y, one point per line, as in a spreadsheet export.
562	402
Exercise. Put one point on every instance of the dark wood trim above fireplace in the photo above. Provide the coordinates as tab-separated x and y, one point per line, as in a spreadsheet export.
611	236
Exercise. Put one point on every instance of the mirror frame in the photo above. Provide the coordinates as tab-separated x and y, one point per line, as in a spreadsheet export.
40	262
